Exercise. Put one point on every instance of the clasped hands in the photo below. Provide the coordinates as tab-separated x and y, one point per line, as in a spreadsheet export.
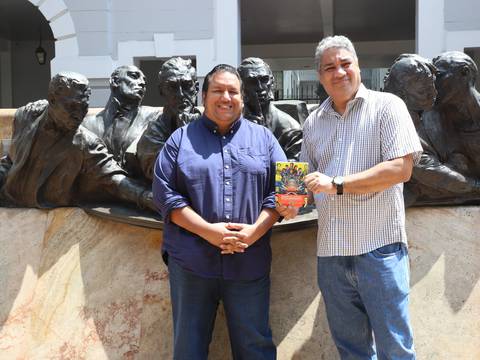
231	237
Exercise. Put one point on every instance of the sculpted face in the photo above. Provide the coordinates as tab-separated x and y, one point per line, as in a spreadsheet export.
223	99
257	84
421	92
70	105
179	87
339	74
412	78
130	84
452	80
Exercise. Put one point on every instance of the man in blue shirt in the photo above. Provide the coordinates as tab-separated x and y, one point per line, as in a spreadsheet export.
214	185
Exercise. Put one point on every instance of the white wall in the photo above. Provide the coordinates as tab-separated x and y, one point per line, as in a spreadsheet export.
445	25
109	33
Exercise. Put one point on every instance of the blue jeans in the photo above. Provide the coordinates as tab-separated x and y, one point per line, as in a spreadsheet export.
195	301
366	297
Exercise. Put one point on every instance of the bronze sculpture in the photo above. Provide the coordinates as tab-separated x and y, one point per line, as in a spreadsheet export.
54	161
123	120
179	86
452	133
257	78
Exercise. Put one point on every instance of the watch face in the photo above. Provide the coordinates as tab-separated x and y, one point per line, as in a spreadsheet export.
338	180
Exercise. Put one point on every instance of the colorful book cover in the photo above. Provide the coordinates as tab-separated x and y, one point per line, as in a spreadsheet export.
289	185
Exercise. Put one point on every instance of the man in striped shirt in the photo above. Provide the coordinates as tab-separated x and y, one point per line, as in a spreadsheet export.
361	146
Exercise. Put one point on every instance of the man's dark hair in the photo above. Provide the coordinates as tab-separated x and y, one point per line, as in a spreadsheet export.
217	69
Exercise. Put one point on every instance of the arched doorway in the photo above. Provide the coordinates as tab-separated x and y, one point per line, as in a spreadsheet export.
23	30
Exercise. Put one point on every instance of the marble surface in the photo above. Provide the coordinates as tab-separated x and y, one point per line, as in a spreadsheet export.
75	286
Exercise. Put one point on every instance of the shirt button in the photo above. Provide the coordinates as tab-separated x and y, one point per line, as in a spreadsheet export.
227	182
223	137
227	199
214	131
225	151
231	131
226	166
227	216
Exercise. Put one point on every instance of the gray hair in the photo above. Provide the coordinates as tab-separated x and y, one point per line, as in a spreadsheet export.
337	41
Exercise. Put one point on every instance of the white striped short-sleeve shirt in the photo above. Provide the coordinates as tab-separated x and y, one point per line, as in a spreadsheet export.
375	127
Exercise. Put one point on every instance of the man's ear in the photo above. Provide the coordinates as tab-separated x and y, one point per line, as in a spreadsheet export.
51	99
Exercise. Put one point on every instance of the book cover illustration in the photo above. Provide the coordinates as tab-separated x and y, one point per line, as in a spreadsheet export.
289	185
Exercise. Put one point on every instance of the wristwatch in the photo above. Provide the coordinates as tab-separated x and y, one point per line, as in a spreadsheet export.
337	181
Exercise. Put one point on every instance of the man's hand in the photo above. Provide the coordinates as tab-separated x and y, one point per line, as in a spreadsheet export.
317	182
245	233
288	212
229	240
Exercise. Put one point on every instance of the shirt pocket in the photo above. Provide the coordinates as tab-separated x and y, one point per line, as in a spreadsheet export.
251	161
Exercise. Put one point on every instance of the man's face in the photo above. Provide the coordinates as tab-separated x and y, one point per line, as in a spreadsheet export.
71	106
180	91
223	101
131	84
339	74
257	84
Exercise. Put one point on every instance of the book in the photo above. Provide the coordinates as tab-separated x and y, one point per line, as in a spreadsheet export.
290	188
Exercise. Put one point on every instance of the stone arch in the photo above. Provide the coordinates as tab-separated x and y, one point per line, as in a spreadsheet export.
61	23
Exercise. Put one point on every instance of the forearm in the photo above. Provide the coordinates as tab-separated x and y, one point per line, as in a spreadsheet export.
265	221
379	177
188	219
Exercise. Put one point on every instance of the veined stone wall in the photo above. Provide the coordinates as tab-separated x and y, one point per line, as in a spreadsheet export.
75	286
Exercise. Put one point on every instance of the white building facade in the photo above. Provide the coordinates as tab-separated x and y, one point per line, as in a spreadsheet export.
93	37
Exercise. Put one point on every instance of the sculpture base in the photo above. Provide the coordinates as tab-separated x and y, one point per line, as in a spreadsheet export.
79	286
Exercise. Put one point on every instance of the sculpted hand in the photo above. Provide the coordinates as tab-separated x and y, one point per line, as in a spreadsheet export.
288	212
146	201
317	182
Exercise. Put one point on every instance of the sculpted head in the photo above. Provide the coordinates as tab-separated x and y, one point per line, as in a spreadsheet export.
127	84
68	95
257	81
178	84
412	78
456	73
338	69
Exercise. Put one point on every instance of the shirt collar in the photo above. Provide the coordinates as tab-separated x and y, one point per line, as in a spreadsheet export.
213	127
362	93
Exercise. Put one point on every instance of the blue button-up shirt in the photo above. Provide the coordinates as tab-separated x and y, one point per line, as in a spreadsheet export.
224	178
